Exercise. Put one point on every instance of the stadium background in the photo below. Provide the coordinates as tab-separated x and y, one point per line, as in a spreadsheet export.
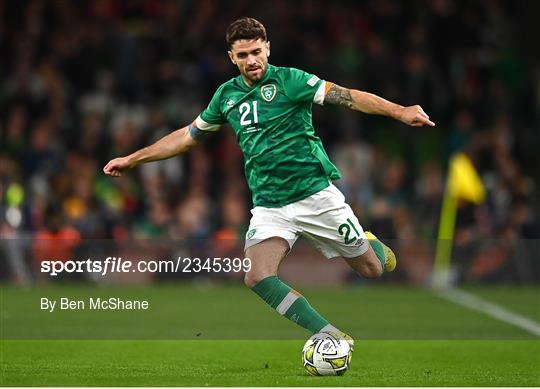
83	82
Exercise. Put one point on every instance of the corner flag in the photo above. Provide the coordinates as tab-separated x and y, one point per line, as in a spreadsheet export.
463	180
463	183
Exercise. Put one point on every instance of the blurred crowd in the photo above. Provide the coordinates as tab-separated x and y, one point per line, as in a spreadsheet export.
85	81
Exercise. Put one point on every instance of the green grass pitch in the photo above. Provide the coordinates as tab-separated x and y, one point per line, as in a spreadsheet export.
224	336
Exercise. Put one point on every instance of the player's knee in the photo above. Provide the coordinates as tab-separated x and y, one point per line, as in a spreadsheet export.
372	269
253	278
368	268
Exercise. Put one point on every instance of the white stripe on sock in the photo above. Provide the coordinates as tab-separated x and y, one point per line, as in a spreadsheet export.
286	303
330	328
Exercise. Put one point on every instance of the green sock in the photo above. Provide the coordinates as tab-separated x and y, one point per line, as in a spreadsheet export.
289	303
377	246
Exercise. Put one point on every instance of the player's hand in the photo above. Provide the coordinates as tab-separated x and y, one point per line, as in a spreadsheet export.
414	116
116	166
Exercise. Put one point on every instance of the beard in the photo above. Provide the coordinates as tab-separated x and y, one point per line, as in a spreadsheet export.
257	73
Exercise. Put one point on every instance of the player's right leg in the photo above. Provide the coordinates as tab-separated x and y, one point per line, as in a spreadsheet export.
270	236
265	258
263	280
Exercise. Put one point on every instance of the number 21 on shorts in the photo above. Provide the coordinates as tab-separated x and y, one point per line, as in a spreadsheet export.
345	230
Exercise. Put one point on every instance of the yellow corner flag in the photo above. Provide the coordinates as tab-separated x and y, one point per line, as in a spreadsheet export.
463	183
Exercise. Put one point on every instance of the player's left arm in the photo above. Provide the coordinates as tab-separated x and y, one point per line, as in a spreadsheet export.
373	104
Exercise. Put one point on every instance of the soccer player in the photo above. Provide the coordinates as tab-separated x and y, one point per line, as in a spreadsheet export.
286	166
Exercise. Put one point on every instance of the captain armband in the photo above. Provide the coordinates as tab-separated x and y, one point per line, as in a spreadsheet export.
196	133
200	128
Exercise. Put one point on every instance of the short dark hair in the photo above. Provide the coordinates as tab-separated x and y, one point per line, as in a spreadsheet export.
244	28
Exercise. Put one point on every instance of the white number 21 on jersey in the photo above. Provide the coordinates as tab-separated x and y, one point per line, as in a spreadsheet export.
245	109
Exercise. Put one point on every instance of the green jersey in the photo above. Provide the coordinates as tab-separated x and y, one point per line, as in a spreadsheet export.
283	159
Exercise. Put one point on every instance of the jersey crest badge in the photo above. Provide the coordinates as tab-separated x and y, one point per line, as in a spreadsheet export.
268	92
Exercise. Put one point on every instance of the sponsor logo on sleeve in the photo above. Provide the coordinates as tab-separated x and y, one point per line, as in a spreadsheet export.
312	81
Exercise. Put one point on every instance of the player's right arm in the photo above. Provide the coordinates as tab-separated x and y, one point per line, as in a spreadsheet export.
173	144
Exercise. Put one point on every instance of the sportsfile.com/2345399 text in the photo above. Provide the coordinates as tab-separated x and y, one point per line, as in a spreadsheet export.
119	265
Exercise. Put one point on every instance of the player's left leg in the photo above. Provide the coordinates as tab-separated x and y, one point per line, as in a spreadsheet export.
366	265
329	222
379	258
384	253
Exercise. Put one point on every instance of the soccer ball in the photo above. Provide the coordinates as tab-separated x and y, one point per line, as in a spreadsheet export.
326	354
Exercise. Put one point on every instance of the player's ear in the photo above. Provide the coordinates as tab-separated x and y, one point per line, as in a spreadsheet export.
231	57
268	49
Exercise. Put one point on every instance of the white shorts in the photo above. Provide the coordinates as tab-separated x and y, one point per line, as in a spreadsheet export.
324	218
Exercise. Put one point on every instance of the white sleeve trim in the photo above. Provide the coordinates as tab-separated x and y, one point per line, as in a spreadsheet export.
204	126
319	95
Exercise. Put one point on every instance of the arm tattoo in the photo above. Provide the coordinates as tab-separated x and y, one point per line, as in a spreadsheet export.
339	95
